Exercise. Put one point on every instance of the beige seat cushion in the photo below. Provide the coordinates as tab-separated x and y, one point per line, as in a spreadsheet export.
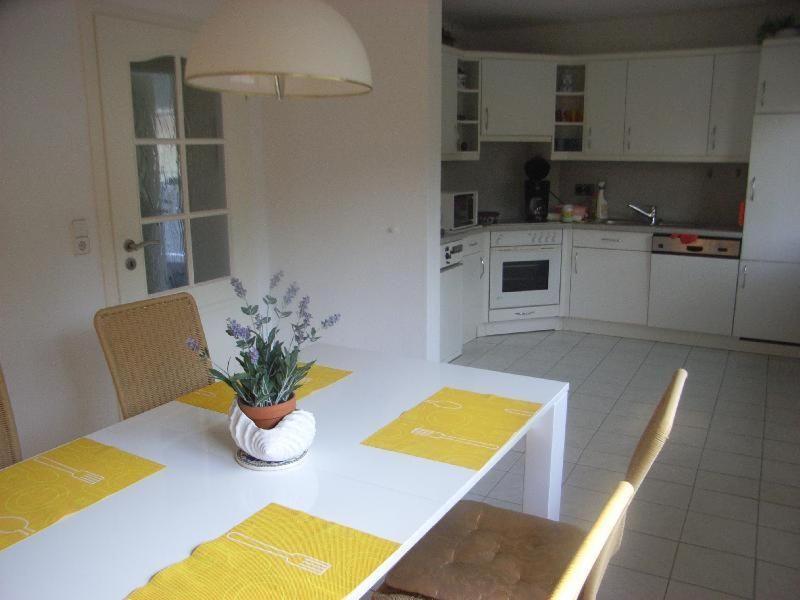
481	552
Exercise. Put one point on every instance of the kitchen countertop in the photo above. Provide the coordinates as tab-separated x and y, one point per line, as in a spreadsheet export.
633	227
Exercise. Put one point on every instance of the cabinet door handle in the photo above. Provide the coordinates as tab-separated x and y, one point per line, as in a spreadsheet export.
589	138
525	314
753	189
616	240
575	263
486	119
629	137
744	276
483	267
763	91
714	137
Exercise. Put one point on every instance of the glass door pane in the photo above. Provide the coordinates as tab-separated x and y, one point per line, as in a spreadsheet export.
166	262
153	90
525	275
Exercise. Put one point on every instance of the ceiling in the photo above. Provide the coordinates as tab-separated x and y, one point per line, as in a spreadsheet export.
490	14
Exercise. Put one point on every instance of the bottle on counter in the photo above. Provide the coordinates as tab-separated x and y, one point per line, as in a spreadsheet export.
601	208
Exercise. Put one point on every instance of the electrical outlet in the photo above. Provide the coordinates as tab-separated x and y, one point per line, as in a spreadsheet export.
81	244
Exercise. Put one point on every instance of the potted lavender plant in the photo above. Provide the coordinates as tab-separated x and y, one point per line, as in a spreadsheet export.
270	369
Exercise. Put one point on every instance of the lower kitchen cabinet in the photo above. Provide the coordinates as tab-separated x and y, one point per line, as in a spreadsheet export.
610	285
768	302
476	293
692	293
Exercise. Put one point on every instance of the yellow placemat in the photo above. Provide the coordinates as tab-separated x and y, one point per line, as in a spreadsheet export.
455	426
218	396
40	491
277	553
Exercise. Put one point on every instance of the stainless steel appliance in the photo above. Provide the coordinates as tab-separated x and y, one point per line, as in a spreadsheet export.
525	268
693	283
537	190
459	210
451	327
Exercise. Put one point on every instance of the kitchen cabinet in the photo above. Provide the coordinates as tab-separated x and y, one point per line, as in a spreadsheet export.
604	107
517	99
476	293
768	302
733	97
460	106
449	103
610	285
667	112
692	293
779	82
773	196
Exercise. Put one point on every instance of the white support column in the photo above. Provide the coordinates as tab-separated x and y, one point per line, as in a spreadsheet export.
544	461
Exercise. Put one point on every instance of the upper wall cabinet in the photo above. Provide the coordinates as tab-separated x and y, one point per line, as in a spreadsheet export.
604	120
667	112
460	106
518	99
733	96
779	85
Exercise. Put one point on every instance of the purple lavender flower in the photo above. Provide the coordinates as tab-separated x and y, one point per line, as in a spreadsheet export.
238	287
253	353
302	310
275	280
330	321
193	344
237	330
291	293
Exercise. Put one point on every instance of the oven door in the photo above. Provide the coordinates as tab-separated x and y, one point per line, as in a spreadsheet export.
525	276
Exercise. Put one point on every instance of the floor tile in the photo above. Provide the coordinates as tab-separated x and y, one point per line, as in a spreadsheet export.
623	584
680	454
691	436
724	505
509	488
719	533
624	445
778	516
672	473
515	506
598	480
780	432
732	442
497	359
572	453
645	553
487	482
782	451
655	519
781	472
714	569
526	340
616	424
602	460
730	464
740	425
729	484
581	503
578	437
590	419
781	547
591	402
678	590
780	494
775	582
665	492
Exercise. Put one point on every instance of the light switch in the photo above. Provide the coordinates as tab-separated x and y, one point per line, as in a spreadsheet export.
81	244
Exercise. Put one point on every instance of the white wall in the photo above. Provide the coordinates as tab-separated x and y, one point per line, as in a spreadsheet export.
353	186
705	29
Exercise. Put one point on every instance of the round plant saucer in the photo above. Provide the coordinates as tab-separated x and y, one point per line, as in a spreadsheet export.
256	464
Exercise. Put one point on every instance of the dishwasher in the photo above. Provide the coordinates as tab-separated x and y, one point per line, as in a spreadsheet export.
451	311
693	282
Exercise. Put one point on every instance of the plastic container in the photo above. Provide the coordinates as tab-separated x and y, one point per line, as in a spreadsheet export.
602	204
566	213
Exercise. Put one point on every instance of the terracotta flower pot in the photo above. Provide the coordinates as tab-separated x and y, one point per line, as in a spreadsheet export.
267	417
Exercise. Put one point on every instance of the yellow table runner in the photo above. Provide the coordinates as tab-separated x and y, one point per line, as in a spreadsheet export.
455	426
277	553
40	491
218	396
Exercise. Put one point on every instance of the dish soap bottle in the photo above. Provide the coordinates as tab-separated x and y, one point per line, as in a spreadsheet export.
601	210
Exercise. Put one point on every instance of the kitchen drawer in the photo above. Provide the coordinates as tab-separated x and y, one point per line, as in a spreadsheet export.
518	314
473	244
528	237
612	240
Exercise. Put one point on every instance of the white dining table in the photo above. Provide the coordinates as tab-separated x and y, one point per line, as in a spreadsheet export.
116	545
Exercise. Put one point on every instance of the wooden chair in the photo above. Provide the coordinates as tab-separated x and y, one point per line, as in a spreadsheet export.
9	442
479	551
145	347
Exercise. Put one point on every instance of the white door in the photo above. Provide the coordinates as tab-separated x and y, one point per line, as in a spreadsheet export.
773	202
518	98
605	107
610	285
667	106
779	85
677	301
768	302
449	103
475	271
175	163
733	97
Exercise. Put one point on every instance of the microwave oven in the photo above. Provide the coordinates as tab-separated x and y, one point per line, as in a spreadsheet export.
459	210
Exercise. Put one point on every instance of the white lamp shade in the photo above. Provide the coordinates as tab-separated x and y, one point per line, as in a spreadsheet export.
302	47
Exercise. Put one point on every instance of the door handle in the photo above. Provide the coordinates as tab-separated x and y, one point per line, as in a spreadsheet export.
714	137
483	267
744	276
763	91
753	189
575	263
629	137
130	246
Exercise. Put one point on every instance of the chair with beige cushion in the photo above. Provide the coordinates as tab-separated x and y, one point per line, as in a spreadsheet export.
9	442
479	551
145	347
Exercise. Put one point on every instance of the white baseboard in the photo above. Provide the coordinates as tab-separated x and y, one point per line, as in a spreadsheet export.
641	332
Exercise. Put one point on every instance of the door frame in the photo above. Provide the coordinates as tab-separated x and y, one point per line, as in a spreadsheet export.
87	10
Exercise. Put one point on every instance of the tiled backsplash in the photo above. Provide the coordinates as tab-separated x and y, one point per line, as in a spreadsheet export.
702	194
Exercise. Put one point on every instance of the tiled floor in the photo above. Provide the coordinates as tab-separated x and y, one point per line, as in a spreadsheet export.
719	514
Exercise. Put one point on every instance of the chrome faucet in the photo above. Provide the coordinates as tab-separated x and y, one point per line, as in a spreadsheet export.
650	214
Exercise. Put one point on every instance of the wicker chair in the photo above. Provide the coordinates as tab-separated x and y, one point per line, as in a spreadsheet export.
481	551
9	442
145	347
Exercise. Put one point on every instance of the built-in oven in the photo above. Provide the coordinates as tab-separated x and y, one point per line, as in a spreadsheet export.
525	269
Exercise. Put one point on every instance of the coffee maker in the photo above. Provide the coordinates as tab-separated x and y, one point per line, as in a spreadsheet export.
537	190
